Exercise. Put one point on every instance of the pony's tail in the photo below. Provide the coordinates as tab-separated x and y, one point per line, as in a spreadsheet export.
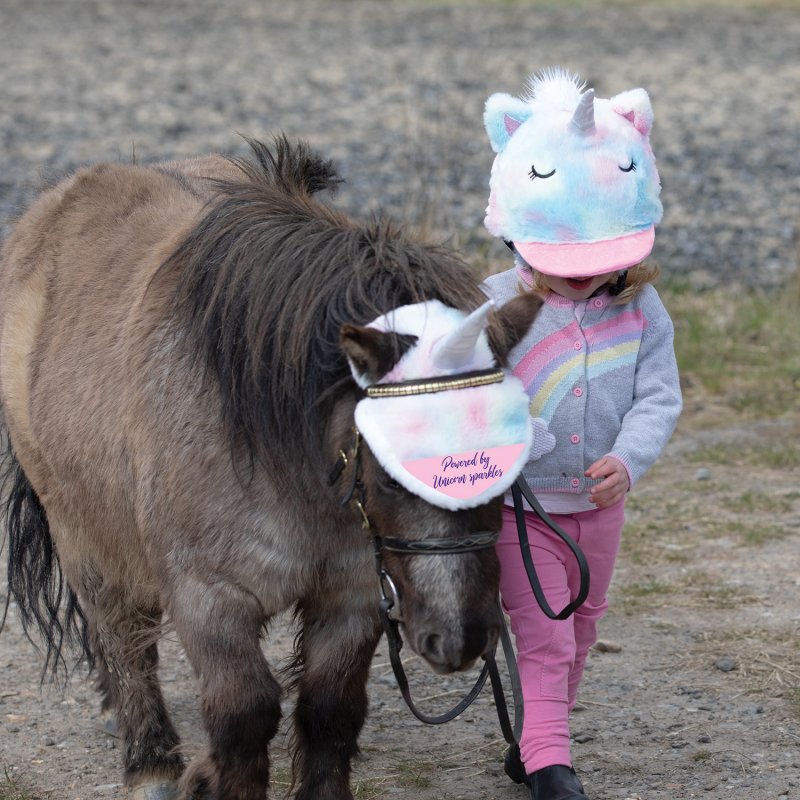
35	582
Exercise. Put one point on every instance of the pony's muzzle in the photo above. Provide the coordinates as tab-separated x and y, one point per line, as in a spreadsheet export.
452	651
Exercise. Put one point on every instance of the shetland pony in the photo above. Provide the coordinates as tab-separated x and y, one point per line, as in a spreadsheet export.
175	386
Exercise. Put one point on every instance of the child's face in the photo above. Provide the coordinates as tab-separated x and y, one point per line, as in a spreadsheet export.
575	288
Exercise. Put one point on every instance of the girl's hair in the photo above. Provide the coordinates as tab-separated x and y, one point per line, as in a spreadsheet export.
624	285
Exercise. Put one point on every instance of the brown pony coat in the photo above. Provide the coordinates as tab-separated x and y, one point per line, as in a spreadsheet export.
175	395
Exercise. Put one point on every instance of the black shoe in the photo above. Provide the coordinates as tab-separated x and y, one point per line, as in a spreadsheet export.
512	763
556	783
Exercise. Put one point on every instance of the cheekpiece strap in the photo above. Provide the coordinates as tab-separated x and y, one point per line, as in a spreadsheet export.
463	380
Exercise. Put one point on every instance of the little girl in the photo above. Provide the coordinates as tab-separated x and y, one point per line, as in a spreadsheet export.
575	192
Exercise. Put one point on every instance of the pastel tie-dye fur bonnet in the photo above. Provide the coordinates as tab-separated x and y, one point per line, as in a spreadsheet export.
574	184
456	448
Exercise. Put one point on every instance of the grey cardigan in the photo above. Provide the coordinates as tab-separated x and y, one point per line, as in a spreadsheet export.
604	382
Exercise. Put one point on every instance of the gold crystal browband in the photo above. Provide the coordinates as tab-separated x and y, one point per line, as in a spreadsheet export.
463	380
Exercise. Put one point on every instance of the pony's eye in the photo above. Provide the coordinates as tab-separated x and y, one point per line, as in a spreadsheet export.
390	483
533	174
631	168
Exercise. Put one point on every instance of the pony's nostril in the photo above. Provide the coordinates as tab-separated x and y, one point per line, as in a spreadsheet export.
432	647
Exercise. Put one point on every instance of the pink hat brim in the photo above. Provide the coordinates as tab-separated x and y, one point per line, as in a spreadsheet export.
587	259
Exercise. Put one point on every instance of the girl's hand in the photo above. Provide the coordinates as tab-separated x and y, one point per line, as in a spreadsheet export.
615	484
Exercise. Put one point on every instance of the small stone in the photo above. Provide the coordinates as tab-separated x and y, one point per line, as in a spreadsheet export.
583	738
703	474
725	664
704	739
607	647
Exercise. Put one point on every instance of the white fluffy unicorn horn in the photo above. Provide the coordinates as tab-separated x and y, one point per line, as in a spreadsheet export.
457	348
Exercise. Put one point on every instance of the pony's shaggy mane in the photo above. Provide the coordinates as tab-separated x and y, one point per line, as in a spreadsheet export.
269	276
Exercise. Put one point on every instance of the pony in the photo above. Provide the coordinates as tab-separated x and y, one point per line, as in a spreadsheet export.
178	345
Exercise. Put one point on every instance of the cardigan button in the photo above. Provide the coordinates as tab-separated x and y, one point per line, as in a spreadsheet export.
577	391
575	439
578	345
575	483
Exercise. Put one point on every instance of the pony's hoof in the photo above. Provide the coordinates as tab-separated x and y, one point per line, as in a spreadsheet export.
156	791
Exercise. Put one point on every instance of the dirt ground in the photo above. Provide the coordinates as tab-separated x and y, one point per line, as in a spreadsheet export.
694	690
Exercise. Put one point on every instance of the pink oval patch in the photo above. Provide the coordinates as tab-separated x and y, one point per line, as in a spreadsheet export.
464	475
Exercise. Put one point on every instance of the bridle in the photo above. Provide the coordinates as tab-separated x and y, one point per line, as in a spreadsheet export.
389	607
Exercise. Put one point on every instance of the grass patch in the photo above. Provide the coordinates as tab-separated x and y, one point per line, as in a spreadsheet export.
738	347
413	775
784	455
767	659
754	501
757	534
14	788
369	789
695	589
645	544
709	590
645	593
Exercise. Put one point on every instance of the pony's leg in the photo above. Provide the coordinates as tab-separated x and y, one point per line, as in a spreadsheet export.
336	648
220	627
103	681
124	639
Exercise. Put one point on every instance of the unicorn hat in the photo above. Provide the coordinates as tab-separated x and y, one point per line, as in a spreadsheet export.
445	422
574	183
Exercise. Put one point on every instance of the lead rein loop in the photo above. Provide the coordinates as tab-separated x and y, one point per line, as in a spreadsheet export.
519	490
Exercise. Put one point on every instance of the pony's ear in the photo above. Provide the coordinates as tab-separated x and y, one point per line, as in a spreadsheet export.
635	106
509	323
372	353
502	116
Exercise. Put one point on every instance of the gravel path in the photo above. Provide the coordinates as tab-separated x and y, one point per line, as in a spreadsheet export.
394	92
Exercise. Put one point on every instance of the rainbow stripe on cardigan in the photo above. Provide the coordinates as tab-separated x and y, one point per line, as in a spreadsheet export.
551	368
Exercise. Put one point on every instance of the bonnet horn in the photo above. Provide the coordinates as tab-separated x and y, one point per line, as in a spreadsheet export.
455	350
582	121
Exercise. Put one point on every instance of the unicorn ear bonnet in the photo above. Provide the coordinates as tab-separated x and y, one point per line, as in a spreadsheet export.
445	422
574	183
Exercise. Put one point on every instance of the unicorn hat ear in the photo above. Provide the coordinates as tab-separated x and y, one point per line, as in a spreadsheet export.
635	106
504	113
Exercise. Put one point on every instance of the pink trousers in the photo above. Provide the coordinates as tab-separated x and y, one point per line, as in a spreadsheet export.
551	654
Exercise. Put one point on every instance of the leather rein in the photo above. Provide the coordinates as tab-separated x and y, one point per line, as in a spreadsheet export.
479	540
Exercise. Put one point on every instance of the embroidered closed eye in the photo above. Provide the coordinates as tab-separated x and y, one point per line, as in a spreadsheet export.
534	174
631	168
